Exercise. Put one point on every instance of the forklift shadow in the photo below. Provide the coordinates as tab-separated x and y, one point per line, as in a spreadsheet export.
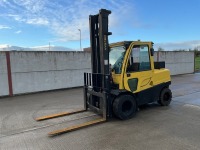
146	107
149	106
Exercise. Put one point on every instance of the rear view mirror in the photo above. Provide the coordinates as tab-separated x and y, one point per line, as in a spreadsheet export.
152	51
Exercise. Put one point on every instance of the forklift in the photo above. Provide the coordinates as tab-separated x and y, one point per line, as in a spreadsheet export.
124	76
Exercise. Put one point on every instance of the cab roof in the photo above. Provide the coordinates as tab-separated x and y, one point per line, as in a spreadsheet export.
126	43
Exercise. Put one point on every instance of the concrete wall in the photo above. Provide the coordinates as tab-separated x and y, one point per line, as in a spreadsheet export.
178	62
3	75
42	71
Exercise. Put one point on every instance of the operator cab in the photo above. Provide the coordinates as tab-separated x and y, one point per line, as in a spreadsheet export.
129	59
139	59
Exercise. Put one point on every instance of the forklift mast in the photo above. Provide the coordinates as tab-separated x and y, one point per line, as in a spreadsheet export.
99	42
97	83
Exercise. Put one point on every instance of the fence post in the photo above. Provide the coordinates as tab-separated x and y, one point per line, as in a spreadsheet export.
9	73
157	56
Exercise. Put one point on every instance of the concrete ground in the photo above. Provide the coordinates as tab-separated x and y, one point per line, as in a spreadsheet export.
154	127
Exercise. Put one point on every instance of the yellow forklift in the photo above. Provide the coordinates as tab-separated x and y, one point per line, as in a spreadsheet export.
124	76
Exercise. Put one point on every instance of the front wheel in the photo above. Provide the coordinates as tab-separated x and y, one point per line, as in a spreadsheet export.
124	107
165	97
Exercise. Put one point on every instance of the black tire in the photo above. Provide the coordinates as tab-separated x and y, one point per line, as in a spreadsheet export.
124	107
165	97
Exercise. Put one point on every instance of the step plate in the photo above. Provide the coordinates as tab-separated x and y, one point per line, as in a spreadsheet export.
59	115
76	127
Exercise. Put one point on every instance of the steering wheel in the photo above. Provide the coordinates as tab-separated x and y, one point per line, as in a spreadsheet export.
119	64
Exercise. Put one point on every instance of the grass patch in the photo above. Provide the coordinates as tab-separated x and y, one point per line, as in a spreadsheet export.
197	63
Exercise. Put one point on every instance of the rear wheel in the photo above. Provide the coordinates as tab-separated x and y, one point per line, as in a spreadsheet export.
124	107
165	97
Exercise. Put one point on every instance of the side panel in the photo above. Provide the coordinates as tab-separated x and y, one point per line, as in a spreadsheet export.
151	94
143	80
160	76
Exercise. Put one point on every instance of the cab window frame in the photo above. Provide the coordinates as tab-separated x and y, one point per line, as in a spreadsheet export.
139	63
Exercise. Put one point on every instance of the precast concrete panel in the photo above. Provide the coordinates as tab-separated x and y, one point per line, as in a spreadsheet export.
48	80
179	62
45	61
42	71
4	89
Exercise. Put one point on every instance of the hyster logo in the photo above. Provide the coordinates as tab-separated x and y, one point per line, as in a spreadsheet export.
105	42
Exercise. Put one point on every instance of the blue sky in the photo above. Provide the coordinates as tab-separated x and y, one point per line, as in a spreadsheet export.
168	23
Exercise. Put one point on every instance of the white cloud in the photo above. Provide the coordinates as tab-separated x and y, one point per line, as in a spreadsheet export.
18	32
37	21
178	45
4	45
64	18
30	20
4	27
31	5
16	17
